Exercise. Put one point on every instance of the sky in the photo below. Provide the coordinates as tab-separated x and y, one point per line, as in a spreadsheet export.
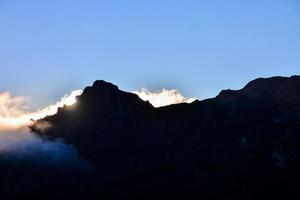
199	47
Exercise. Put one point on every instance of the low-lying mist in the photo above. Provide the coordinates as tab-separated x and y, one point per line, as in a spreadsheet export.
20	145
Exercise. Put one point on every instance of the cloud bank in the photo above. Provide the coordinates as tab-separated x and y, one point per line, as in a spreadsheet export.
163	97
14	110
18	144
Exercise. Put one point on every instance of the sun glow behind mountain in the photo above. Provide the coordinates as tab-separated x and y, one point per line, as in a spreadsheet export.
15	112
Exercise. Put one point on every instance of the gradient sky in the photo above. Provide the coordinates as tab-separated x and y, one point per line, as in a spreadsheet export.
51	47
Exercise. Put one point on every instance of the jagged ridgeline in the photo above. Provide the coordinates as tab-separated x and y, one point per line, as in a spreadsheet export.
242	144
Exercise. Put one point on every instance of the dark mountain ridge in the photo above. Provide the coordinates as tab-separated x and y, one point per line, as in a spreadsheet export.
242	144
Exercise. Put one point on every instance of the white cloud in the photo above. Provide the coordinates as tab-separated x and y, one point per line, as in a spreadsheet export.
163	97
14	111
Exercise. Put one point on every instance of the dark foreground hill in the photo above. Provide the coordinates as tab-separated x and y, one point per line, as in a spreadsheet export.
242	144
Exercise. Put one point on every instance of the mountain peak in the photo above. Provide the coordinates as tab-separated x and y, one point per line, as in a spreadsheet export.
278	86
273	82
104	85
100	88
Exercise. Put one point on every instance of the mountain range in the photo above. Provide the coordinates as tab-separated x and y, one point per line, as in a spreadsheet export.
242	144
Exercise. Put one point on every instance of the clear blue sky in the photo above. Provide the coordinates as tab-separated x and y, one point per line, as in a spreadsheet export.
50	47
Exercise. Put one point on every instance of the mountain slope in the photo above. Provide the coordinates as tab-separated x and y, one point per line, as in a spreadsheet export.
242	144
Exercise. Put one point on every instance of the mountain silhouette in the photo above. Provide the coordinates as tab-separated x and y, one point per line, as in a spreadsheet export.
242	144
